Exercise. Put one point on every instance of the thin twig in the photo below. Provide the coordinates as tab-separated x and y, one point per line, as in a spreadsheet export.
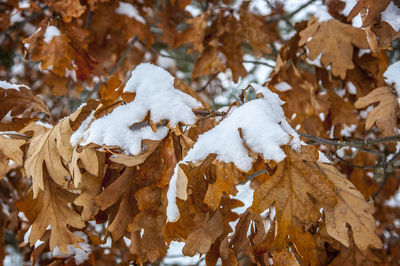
385	178
291	14
258	63
208	82
354	165
123	56
356	143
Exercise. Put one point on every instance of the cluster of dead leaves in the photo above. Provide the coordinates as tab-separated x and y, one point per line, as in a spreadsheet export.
303	211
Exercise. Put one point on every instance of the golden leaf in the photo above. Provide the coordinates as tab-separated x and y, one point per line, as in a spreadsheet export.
119	193
334	40
200	240
298	189
48	147
351	209
384	115
69	9
50	207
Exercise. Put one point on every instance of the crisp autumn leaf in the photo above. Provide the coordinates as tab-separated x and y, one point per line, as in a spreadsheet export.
21	104
334	40
50	208
225	183
69	9
384	115
119	193
148	245
351	209
57	54
88	159
91	187
298	189
371	7
201	239
208	63
49	149
195	33
284	257
10	146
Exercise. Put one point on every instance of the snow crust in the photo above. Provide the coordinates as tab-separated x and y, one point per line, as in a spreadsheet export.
282	86
155	94
6	85
264	129
392	76
129	10
322	14
50	33
392	16
81	254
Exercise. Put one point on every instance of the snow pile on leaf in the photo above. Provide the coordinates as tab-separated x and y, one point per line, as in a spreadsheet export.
392	76
155	95
258	125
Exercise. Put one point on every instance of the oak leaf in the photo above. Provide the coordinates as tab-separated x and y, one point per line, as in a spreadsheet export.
384	115
374	9
119	194
148	245
351	209
69	9
50	207
334	40
11	147
91	187
49	148
208	63
298	189
201	239
58	54
21	104
225	183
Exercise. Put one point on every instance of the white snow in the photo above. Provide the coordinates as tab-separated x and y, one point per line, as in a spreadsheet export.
392	76
322	14
351	88
348	130
81	254
6	85
129	10
50	33
77	135
264	129
155	94
391	15
175	256
282	86
348	7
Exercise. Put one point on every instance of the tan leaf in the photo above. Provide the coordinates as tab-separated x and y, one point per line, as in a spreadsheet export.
119	193
291	188
11	147
195	33
19	102
351	209
374	9
91	187
58	53
69	9
48	147
90	161
201	239
334	40
149	245
49	207
225	183
208	63
284	257
384	115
